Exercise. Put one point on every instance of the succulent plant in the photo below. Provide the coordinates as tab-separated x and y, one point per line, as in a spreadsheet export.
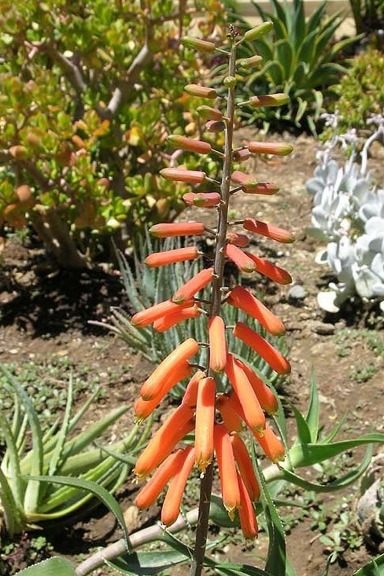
348	212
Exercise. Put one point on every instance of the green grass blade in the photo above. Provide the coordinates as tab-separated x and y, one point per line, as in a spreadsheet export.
373	568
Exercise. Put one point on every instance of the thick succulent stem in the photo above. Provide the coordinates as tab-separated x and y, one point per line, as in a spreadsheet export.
219	261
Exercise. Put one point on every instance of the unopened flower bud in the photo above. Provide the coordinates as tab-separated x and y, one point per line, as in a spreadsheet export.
189	144
250	62
241	155
183	175
198	44
258	31
274	148
268	100
209	113
215	126
200	91
202	199
229	81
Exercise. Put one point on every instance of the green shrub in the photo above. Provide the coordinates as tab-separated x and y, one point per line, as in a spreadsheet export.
360	93
85	107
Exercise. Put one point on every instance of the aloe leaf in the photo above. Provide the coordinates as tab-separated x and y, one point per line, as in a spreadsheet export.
62	435
147	563
303	430
55	565
298	26
232	569
338	484
284	54
282	14
276	559
334	432
106	498
315	18
313	414
14	519
309	454
373	568
31	495
16	484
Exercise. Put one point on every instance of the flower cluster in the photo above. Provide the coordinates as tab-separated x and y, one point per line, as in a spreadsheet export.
218	419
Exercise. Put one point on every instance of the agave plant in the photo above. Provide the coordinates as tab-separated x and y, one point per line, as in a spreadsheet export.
301	59
43	475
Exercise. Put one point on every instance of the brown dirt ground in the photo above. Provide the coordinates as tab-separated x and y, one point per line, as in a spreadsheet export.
45	315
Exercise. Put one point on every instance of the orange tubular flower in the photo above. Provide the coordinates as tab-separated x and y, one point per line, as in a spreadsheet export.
143	408
244	463
183	175
270	443
239	240
232	420
151	491
190	144
171	256
190	288
266	268
190	394
169	230
205	419
272	356
265	396
168	369
241	298
253	413
240	258
175	427
268	230
202	199
227	469
247	516
217	344
166	322
241	155
200	91
275	148
172	502
145	317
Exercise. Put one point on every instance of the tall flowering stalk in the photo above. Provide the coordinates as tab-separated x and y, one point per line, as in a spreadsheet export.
218	419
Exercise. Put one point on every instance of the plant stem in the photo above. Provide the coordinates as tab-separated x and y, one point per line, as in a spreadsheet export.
219	261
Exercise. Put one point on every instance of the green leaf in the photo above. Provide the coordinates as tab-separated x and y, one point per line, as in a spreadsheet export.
219	515
55	565
373	568
147	563
232	569
97	490
313	414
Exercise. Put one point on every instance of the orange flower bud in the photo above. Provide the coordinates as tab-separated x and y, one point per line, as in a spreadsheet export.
202	199
145	317
143	408
268	230
239	240
270	443
275	148
270	270
242	261
232	420
151	491
171	506
227	469
168	230
170	320
24	194
190	144
169	367
245	466
175	427
265	396
190	288
258	31
198	44
268	100
200	91
241	155
215	126
183	175
217	344
253	413
171	256
209	113
272	356
205	419
190	394
241	298
18	151
251	186
247	515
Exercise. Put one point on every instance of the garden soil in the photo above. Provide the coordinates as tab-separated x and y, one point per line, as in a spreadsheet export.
45	316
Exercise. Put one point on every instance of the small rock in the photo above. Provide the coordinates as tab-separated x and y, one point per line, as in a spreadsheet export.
323	329
297	292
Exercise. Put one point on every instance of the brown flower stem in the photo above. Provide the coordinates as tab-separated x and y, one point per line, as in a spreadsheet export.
219	261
